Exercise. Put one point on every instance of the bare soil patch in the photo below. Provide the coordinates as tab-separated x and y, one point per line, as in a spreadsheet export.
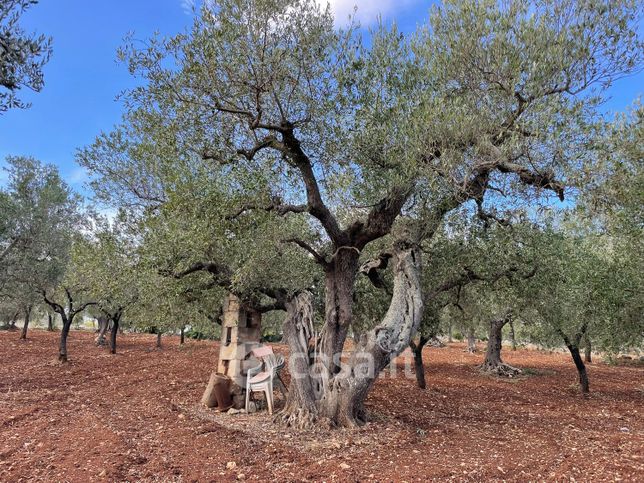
134	416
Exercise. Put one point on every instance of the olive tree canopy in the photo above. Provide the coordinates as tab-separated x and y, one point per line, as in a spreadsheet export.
22	56
289	133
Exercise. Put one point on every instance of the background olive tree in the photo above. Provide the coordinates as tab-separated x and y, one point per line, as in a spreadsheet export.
40	213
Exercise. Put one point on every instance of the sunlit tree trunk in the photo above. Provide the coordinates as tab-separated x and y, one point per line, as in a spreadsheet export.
471	341
103	325
493	362
25	326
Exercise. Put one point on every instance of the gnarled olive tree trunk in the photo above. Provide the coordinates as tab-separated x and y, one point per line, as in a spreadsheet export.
338	395
493	363
103	325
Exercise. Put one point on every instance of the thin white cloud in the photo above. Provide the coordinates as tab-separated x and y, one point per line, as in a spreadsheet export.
78	176
188	6
366	11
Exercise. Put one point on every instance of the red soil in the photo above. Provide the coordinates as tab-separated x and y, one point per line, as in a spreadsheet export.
134	416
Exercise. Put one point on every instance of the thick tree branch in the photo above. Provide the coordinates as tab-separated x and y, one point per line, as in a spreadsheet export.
211	267
267	142
82	307
487	216
468	275
222	278
381	217
372	269
301	243
57	307
316	206
275	206
544	180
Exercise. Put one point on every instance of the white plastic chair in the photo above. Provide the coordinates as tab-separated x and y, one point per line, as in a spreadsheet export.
258	380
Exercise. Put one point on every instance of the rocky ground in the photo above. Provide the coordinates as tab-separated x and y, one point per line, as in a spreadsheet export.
134	416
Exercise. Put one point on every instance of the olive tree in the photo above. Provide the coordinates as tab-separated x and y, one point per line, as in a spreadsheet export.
471	265
71	295
22	56
41	212
351	146
107	261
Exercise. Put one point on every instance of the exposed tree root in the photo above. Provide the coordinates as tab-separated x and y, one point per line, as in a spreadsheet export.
501	370
435	342
300	418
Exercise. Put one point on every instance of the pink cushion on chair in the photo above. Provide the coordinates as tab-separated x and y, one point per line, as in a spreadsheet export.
261	377
262	351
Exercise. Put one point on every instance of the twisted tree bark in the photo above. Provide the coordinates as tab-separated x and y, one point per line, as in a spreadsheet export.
337	396
103	324
340	276
493	363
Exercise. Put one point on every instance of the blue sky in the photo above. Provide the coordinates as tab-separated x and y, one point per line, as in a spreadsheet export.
83	78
